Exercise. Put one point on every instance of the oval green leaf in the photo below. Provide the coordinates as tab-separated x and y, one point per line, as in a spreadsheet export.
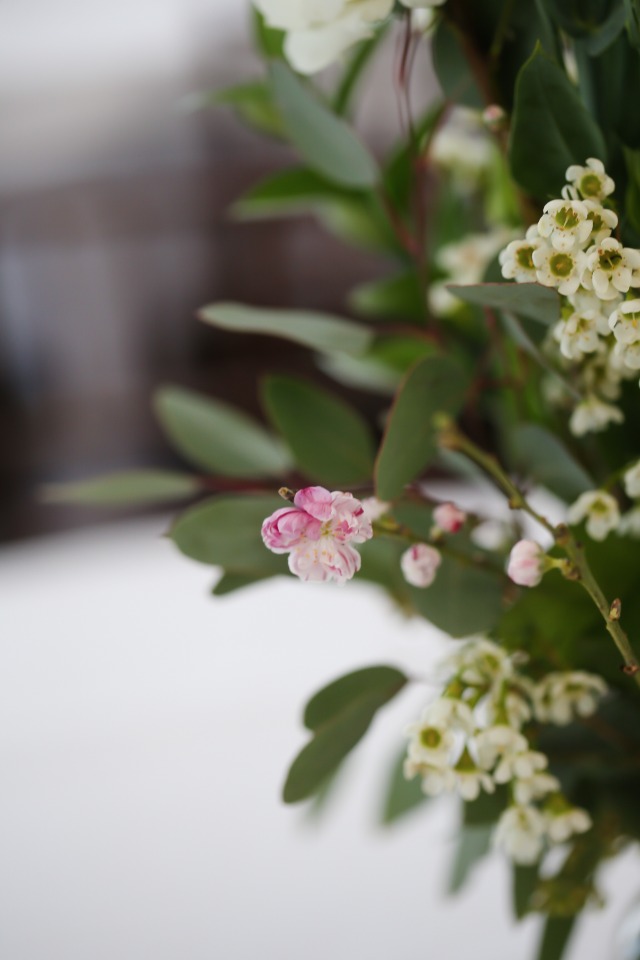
337	696
218	438
549	113
435	384
132	487
330	441
530	300
541	456
324	140
225	531
319	331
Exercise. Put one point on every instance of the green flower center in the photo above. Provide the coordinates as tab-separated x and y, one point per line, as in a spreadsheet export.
590	185
430	738
561	264
610	260
597	221
567	219
524	258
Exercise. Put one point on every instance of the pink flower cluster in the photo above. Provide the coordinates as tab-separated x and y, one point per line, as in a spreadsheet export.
317	532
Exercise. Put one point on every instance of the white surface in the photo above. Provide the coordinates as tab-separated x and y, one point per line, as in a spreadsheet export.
144	732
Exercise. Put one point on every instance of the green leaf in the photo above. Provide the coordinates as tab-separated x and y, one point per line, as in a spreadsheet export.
354	69
122	489
402	795
269	41
452	68
225	531
394	298
556	934
530	300
231	582
525	881
360	373
217	437
329	702
319	331
289	192
486	809
539	454
473	844
464	599
330	441
549	114
326	143
435	384
253	103
632	8
340	721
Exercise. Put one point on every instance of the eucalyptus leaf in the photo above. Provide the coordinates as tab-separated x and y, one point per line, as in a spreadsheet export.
402	795
319	331
530	300
126	488
474	843
555	937
549	113
339	715
525	881
540	455
326	143
435	384
225	531
253	103
330	441
218	438
465	599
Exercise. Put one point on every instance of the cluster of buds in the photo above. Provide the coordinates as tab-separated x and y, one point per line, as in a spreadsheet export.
572	249
472	738
420	562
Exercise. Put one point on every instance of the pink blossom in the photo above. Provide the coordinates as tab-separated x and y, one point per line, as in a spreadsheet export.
449	518
316	532
419	564
526	563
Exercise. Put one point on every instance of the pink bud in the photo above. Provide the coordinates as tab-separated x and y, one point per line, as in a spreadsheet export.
287	527
419	564
526	563
449	518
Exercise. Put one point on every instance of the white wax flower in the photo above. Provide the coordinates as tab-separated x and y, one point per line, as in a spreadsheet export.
563	270
587	301
603	221
566	822
463	147
591	180
430	743
631	480
534	787
449	713
565	224
520	765
471	781
593	414
599	509
420	564
561	696
516	260
434	779
611	268
578	334
625	322
520	833
481	662
500	740
629	525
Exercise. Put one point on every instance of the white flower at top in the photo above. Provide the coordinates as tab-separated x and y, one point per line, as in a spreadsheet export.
599	509
591	181
611	268
563	820
565	224
593	414
320	31
631	480
497	741
603	221
520	833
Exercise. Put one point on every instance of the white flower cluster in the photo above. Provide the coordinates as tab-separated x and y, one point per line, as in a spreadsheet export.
465	262
320	31
471	739
572	249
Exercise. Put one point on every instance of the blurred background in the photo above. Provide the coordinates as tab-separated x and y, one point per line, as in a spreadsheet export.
114	191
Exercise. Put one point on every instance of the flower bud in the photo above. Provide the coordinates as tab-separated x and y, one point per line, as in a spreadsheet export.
419	564
526	563
449	518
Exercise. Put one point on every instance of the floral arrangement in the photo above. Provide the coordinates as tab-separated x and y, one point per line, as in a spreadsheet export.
502	346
